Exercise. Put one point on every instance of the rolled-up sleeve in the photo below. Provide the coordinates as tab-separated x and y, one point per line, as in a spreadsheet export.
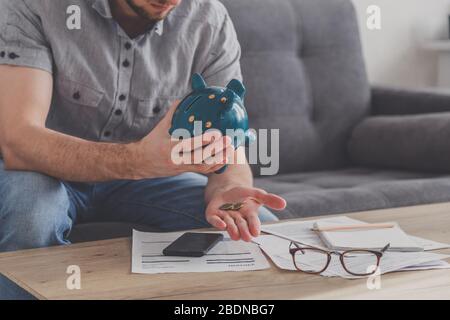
22	39
224	58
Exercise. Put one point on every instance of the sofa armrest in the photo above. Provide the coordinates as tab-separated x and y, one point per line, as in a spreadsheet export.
407	142
395	101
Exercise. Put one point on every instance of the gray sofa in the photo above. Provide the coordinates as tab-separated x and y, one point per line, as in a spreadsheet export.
345	146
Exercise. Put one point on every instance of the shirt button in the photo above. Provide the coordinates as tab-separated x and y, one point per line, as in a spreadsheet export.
77	95
156	110
118	112
126	63
107	133
128	46
122	97
13	55
2	54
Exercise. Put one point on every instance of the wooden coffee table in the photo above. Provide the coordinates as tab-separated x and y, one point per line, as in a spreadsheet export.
106	271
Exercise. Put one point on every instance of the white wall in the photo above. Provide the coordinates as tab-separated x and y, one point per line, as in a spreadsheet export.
393	54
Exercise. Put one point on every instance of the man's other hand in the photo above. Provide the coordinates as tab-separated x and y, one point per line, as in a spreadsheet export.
155	153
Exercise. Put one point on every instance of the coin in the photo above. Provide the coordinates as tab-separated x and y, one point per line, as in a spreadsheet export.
238	206
227	206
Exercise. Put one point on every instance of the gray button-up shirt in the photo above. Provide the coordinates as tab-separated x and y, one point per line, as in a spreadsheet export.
108	87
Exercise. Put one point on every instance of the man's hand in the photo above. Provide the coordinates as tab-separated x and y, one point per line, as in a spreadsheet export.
154	152
243	224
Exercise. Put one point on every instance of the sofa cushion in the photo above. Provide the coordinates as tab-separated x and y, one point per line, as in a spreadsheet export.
303	67
354	189
407	142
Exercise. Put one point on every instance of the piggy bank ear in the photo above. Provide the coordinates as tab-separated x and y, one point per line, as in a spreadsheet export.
197	82
237	87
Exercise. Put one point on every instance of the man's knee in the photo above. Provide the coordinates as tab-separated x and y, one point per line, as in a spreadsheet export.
33	210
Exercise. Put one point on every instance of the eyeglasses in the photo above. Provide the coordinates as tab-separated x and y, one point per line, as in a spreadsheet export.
356	262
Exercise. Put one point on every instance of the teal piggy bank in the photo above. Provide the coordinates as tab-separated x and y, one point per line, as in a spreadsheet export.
217	108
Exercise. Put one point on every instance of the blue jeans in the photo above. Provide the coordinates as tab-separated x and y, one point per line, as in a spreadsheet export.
39	211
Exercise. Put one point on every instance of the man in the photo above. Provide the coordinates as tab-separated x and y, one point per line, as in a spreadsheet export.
85	109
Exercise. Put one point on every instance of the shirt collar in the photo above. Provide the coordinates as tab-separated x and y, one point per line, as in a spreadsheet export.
159	27
103	8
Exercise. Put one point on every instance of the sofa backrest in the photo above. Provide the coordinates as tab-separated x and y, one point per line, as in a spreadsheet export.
304	71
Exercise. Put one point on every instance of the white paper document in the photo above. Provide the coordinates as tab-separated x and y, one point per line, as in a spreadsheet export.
438	264
373	239
227	255
429	245
278	250
300	231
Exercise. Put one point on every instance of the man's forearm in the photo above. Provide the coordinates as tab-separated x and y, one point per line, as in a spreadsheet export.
236	175
68	158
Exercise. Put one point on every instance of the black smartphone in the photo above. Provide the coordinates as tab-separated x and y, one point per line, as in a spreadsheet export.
193	244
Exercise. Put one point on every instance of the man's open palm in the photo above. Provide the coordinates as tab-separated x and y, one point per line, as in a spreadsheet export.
243	224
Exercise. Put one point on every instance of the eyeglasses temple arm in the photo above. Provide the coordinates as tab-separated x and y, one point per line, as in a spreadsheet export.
295	244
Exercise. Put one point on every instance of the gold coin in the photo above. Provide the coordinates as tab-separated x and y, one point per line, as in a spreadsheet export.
191	119
227	207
